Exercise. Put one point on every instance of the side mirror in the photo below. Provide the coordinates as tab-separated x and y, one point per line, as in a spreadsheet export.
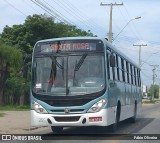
112	60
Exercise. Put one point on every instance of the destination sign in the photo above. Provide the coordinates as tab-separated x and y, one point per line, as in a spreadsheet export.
72	45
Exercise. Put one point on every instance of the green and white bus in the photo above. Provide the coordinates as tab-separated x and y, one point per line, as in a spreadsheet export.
82	81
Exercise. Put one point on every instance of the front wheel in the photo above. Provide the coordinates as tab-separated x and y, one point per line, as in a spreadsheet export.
114	126
57	130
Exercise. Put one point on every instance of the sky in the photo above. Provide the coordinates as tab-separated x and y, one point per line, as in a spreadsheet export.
89	15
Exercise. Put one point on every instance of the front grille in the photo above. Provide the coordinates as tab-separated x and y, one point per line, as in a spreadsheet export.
67	119
64	102
71	110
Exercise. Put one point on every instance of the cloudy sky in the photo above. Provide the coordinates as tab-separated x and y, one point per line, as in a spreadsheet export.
89	15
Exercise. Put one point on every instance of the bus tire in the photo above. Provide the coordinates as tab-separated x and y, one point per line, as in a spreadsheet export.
133	119
57	130
114	126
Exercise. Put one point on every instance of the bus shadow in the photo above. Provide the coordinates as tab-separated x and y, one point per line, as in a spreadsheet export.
139	125
124	127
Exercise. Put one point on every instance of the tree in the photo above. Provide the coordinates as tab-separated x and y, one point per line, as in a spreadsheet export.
38	27
24	36
10	65
154	91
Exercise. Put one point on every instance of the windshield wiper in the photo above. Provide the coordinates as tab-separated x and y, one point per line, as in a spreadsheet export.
79	64
52	74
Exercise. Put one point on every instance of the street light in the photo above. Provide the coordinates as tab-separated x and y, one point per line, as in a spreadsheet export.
126	26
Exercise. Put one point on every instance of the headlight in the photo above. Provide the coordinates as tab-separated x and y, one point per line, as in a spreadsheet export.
38	108
97	106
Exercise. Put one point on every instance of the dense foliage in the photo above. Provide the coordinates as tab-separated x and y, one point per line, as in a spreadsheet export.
154	91
10	73
18	41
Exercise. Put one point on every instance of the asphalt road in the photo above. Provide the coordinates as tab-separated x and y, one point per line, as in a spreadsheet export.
147	123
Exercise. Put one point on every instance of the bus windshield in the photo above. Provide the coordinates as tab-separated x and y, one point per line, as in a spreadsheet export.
68	75
68	67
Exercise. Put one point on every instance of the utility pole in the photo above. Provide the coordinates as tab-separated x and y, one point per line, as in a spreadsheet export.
140	45
110	21
154	76
159	90
159	87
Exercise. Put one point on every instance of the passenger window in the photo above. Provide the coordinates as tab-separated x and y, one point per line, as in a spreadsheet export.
117	65
123	71
108	69
127	70
131	74
135	76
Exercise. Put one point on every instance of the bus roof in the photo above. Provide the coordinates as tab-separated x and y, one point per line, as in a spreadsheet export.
94	38
70	38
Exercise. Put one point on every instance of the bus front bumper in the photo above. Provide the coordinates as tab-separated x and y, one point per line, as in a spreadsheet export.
69	120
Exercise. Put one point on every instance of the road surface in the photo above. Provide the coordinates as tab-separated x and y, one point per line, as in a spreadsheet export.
148	122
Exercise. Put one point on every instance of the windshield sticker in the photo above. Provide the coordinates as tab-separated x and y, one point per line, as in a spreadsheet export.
38	85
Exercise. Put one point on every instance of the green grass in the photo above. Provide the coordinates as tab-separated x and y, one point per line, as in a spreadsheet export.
2	114
14	108
151	101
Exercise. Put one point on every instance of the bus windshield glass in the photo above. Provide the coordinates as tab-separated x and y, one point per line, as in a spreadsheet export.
70	74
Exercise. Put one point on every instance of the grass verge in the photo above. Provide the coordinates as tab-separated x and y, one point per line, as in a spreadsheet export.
151	101
2	114
14	108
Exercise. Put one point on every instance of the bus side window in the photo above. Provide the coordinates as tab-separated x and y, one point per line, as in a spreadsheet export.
123	70
135	76
120	69
117	66
139	79
127	70
113	71
108	69
131	74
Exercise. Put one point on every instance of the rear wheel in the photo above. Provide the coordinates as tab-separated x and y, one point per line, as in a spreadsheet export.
133	119
57	130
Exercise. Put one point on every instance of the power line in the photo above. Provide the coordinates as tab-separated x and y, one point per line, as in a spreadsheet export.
49	9
74	14
30	6
55	13
80	13
45	10
15	8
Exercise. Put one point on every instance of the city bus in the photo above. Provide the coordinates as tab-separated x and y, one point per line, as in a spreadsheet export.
82	81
